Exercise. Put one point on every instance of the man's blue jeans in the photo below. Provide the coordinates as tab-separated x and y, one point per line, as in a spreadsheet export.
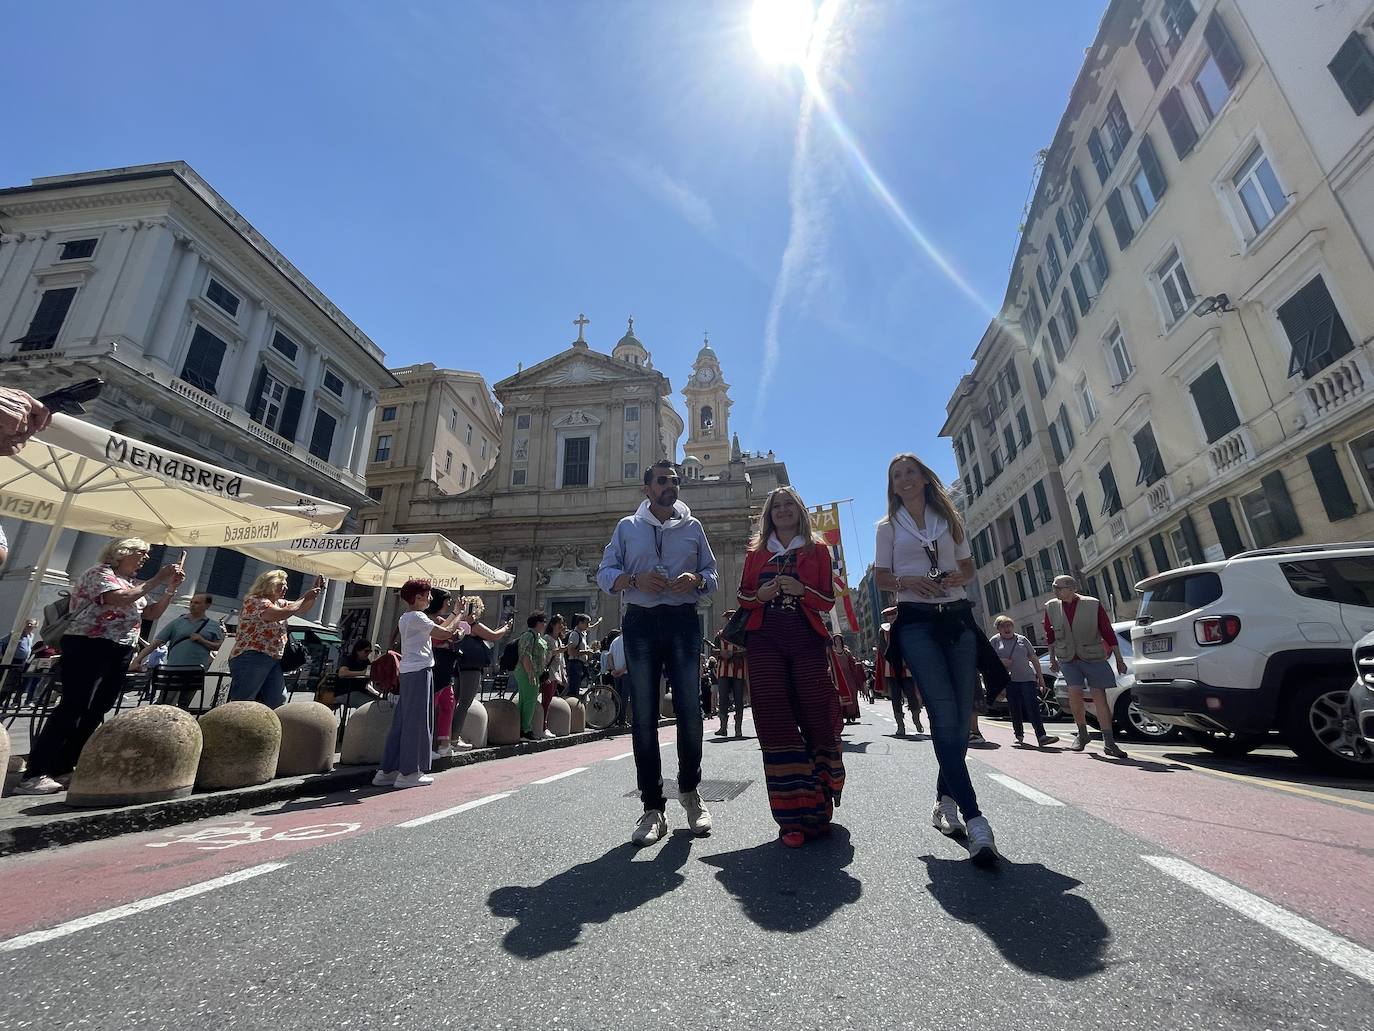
658	640
945	672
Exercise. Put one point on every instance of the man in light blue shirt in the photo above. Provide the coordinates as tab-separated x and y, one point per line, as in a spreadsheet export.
660	562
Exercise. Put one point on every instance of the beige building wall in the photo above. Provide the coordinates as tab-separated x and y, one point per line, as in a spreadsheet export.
1217	437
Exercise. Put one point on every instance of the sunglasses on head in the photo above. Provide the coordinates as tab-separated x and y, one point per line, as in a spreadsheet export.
668	479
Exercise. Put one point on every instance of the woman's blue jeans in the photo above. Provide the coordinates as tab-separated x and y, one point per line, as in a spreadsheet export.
945	673
257	677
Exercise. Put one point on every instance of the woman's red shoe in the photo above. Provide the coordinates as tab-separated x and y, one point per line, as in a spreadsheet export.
793	839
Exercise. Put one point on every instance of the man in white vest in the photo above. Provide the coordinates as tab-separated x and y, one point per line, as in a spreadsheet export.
1081	639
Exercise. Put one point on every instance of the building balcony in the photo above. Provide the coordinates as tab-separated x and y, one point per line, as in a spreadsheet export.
1011	553
1339	387
1117	526
1088	545
1159	498
1231	451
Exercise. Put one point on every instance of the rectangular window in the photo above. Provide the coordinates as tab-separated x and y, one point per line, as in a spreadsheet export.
1228	534
1175	288
284	345
632	413
1122	580
369	526
1178	123
220	295
1078	201
453	420
1148	183
1080	290
1056	267
1178	17
1331	486
389	413
522	422
977	480
1023	425
631	470
1314	329
959	451
1147	450
517	477
1214	406
1009	436
1055	445
75	249
463	482
468	440
1046	565
1209	86
1122	223
203	360
1085	523
1065	428
1087	406
1061	222
1039	373
276	404
1258	189
1027	520
1067	316
226	572
1179	539
1353	70
1010	375
1119	365
1149	53
383	451
1056	339
1030	317
1160	553
376	493
1042	502
1270	512
1097	264
1111	497
577	455
333	383
448	462
1223	51
322	435
484	449
1044	287
47	319
1021	586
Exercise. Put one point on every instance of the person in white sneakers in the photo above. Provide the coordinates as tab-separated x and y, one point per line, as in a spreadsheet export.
923	554
406	757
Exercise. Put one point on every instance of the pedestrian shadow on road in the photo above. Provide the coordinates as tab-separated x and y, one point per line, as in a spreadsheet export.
550	916
1027	912
790	890
1147	765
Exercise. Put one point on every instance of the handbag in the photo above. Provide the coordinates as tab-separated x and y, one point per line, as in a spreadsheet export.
736	629
294	657
473	653
57	620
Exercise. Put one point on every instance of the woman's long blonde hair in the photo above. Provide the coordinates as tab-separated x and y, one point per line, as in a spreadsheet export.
266	583
766	528
937	497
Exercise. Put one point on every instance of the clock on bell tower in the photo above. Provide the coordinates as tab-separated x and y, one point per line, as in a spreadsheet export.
708	413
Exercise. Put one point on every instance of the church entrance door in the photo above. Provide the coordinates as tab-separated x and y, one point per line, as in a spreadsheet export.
566	607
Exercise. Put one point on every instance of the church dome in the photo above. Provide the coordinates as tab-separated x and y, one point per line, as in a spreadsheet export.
706	350
629	348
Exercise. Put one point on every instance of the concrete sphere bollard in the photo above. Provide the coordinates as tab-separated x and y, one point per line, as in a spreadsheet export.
149	754
365	733
308	733
537	724
560	717
503	721
665	706
242	742
474	725
579	716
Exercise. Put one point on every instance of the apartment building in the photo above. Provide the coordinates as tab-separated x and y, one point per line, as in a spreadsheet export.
1193	286
1010	485
868	609
210	342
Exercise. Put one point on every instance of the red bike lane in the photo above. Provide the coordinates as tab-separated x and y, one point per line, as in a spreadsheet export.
41	889
1312	856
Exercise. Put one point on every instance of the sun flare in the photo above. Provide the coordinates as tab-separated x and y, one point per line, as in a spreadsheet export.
782	30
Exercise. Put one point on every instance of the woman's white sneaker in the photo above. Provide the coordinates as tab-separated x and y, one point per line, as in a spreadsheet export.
945	817
650	828
383	779
41	785
982	847
413	780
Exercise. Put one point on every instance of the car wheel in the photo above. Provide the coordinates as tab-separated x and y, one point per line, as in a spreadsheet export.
1223	743
1049	709
1319	725
1136	723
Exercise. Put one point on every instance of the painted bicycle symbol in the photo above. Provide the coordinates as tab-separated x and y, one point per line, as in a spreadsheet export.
232	835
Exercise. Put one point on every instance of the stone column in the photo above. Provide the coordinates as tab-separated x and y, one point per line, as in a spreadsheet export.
246	364
310	382
363	436
173	311
332	605
131	313
357	416
18	284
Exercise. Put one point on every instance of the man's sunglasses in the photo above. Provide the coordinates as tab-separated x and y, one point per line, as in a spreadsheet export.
662	480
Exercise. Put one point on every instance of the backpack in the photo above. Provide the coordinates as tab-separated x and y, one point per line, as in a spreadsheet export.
510	657
57	620
385	673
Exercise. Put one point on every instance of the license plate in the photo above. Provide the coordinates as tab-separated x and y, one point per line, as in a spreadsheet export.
1157	645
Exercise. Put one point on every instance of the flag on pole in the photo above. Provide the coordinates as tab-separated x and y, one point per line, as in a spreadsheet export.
825	520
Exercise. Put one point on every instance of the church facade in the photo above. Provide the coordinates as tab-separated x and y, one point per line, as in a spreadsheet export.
577	432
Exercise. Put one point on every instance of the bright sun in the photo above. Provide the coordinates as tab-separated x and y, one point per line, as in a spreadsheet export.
782	29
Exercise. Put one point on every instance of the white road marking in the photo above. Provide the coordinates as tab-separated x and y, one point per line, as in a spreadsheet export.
1024	789
1329	946
617	758
23	941
420	821
560	776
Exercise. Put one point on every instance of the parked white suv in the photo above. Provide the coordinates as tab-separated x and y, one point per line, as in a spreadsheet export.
1228	651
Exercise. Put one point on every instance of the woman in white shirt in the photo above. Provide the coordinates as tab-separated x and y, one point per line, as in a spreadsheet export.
923	555
406	757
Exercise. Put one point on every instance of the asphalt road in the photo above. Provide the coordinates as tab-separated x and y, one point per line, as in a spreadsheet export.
1140	894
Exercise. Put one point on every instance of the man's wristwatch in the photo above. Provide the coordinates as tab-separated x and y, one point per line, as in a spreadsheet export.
634	581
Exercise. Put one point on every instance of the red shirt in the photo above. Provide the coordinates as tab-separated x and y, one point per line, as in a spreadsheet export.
1104	624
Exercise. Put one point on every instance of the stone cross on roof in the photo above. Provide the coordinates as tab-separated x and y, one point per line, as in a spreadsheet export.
580	322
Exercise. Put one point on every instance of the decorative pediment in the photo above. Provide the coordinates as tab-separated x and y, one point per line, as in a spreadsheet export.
578	367
577	417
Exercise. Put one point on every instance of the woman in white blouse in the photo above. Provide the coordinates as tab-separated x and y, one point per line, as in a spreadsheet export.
923	555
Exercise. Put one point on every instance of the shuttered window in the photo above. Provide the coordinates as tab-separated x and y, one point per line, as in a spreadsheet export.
1188	528
1080	291
1224	49
47	319
1138	567
1055	445
1078	201
1044	287
1335	495
1042	501
1149	164
1010	375
1270	512
1056	338
1066	314
1149	53
203	360
226	573
1214	405
1122	580
1009	435
1111	497
1228	533
1039	374
1314	328
1023	424
1160	553
1099	158
1085	522
1178	123
1178	16
1121	222
1353	70
1061	223
1056	267
1027	520
1098	253
1151	464
322	436
1065	428
1030	318
1118	129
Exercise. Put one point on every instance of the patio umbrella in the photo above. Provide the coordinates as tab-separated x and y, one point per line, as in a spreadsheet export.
383	560
77	476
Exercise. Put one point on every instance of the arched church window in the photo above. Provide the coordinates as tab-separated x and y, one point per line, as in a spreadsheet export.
708	419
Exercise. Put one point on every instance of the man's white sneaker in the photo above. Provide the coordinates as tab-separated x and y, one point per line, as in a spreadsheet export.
460	745
549	734
413	780
442	753
698	816
982	848
42	785
383	779
650	828
945	817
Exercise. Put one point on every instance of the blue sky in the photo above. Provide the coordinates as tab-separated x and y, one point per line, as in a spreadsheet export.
463	178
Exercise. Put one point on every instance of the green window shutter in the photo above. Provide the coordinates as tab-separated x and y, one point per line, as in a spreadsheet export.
1353	70
1190	537
1122	580
1149	53
1121	222
1285	516
1061	223
1326	470
257	404
47	320
1055	445
291	412
1070	321
1227	531
1214	404
1080	291
1044	288
1099	254
1224	49
1178	124
1160	553
1042	502
1099	158
1027	520
1154	171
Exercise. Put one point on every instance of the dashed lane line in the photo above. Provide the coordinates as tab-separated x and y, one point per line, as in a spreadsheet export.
560	776
617	758
420	821
1331	947
23	941
1024	789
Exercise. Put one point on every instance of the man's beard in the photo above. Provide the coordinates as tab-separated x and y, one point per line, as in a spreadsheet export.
667	498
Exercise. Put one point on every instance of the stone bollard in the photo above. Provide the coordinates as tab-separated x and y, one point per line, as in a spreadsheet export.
474	725
665	705
537	724
365	733
308	732
579	716
148	754
560	717
503	721
242	742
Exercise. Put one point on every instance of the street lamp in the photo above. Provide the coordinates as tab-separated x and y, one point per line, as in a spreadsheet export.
1209	305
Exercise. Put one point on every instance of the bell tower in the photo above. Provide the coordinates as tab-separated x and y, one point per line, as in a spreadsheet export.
708	413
